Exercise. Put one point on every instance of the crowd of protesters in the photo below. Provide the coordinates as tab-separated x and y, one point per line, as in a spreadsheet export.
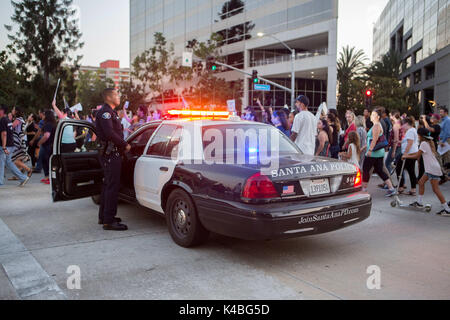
31	140
378	141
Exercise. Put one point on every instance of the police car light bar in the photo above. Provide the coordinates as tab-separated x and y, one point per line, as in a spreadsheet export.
197	113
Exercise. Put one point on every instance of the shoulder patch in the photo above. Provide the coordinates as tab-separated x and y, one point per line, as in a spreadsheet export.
106	116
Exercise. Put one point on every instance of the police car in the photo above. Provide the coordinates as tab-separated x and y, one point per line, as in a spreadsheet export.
205	172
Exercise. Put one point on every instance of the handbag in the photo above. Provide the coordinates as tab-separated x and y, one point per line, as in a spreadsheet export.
381	143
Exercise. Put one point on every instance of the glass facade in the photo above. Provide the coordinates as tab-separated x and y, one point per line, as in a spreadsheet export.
314	89
423	20
420	31
236	20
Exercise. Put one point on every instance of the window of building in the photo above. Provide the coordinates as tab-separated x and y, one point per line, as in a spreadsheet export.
408	43
418	55
429	71
408	62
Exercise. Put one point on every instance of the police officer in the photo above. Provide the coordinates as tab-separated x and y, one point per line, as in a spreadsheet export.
110	135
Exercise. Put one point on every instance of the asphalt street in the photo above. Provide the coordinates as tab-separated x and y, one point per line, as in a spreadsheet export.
39	240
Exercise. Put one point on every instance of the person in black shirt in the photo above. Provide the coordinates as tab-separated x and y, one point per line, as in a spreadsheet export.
369	123
46	142
433	126
335	125
7	141
31	130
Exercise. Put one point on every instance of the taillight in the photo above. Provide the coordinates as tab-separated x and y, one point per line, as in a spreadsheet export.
358	179
259	186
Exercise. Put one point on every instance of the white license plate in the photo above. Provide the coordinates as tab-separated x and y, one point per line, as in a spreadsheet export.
318	187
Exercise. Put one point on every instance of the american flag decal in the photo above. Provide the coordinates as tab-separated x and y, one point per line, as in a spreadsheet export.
288	189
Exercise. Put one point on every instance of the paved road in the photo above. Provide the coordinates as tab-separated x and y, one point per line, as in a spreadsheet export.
39	240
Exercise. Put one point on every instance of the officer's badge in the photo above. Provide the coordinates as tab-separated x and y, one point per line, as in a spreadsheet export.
106	116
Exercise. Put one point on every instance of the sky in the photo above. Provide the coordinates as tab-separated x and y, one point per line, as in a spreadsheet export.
105	27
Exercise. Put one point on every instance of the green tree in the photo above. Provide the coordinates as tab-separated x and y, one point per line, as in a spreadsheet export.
158	65
388	91
210	89
90	87
133	93
14	89
351	78
46	36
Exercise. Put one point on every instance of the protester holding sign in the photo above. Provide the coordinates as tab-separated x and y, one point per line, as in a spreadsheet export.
68	143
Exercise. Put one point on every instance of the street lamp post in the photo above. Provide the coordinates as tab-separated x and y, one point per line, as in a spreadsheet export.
261	34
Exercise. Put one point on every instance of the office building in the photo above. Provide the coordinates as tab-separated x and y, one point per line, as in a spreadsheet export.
109	69
420	31
309	27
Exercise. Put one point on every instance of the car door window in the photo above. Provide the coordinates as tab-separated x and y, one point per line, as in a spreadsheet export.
160	140
140	141
83	139
172	146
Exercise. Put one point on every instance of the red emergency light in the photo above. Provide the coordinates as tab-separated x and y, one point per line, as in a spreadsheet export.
199	114
369	93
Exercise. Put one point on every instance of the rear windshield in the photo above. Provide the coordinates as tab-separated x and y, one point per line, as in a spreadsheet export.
244	143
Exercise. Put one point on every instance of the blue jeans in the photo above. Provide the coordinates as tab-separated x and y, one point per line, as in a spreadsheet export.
46	154
390	157
39	160
6	160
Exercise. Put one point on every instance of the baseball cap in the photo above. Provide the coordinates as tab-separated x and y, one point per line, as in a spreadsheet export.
425	133
303	99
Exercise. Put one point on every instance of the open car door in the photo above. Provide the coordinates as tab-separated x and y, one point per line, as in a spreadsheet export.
76	171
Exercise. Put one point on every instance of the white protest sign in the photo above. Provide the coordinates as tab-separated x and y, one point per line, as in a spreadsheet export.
231	105
56	91
187	59
323	109
77	107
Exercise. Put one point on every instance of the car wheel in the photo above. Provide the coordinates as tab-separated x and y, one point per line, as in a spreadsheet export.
96	199
182	220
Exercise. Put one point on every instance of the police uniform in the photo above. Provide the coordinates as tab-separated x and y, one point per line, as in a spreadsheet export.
110	134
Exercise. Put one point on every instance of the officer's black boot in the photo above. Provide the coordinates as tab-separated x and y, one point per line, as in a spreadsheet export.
115	226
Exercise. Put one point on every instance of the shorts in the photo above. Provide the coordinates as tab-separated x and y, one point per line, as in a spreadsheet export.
432	176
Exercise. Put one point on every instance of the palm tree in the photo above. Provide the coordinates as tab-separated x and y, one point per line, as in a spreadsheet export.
389	66
350	68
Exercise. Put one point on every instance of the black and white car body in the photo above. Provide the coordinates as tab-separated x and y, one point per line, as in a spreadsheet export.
301	195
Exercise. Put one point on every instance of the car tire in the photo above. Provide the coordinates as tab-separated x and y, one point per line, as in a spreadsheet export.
182	220
96	199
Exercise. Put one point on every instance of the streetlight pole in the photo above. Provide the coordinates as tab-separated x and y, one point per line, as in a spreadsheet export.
261	34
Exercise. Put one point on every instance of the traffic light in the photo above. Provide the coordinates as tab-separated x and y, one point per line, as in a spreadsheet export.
255	76
211	64
369	95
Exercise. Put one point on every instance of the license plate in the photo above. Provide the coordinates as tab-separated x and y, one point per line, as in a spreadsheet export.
318	187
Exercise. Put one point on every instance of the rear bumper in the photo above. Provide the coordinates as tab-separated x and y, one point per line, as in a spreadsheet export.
283	220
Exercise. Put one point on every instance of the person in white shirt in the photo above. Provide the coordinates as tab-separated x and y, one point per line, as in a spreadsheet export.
433	171
354	151
410	145
304	127
126	125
